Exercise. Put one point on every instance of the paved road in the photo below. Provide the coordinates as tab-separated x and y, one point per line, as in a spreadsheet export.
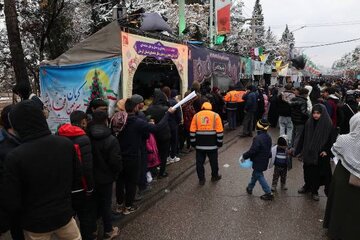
224	210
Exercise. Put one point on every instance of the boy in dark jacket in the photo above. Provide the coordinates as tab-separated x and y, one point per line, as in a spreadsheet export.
107	164
83	183
38	177
259	154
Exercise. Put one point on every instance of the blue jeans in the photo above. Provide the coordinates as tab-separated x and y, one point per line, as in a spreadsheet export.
286	127
259	176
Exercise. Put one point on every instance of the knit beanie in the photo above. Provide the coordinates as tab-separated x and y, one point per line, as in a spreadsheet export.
282	141
262	125
136	98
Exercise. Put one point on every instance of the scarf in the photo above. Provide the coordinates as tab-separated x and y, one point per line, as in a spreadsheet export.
347	147
118	122
316	135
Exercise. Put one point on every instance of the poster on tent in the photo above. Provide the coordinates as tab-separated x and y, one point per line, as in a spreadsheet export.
205	63
245	68
65	89
136	48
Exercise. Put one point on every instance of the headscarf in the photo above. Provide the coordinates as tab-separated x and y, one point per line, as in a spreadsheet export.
118	122
347	147
316	135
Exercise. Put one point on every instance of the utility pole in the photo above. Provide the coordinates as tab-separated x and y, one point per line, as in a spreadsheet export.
211	24
182	21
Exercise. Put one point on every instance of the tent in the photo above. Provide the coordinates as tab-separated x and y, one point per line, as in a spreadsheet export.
103	65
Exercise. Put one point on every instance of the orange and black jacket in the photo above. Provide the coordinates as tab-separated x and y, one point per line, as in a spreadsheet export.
206	130
232	99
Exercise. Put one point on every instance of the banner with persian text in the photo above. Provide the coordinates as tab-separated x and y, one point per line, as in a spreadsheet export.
65	89
221	67
136	48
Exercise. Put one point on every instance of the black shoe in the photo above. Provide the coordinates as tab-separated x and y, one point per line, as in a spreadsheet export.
202	182
138	197
303	190
248	190
215	179
267	197
315	197
164	175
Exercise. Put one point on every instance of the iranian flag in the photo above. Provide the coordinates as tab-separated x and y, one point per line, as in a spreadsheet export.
222	11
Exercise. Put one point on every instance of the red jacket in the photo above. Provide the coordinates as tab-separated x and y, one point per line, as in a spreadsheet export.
83	179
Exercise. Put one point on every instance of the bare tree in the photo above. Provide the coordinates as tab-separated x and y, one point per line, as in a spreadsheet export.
17	52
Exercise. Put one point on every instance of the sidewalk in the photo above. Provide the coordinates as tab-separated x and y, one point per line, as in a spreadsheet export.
178	172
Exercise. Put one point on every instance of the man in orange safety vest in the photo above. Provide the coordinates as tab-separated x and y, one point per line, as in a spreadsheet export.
206	135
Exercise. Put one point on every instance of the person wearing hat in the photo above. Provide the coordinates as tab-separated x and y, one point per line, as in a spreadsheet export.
206	135
281	161
138	100
259	154
40	104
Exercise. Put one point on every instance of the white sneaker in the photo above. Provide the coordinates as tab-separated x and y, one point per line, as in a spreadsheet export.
169	161
176	159
119	208
113	234
149	177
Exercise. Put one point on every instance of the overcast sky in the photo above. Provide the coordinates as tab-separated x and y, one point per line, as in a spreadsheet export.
297	13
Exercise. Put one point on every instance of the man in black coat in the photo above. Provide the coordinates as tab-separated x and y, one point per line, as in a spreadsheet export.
38	177
83	201
157	111
107	164
299	113
130	138
8	142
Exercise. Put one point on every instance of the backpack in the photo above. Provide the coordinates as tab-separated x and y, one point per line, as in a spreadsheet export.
78	168
152	152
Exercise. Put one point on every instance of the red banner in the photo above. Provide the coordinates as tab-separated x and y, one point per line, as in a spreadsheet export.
223	22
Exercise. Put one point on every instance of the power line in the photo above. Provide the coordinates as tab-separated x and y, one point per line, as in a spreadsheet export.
332	24
329	44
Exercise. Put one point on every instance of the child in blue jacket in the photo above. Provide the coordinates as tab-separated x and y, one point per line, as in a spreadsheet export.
281	161
259	154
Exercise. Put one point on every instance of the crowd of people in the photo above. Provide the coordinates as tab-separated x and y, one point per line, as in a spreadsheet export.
74	170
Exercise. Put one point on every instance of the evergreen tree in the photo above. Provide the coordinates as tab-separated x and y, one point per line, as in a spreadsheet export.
258	26
96	87
287	36
286	46
271	45
101	13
